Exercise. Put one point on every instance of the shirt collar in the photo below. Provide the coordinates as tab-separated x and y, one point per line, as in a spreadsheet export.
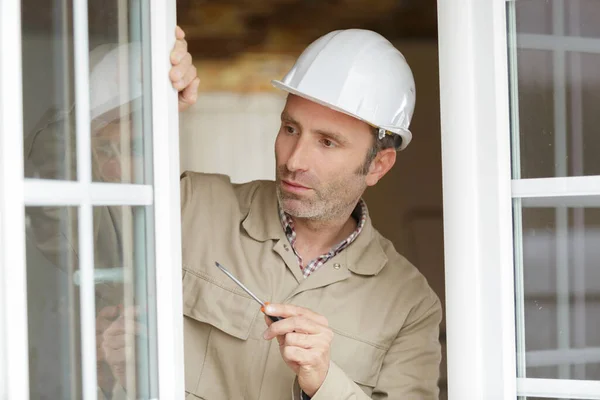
360	214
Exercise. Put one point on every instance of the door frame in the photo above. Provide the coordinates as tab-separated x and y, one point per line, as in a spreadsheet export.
478	231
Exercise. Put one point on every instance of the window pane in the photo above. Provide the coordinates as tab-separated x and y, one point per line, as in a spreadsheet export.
561	280
534	16
555	73
581	18
48	90
125	299
119	92
119	73
536	112
53	303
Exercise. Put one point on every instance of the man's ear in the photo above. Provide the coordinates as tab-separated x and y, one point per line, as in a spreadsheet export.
383	162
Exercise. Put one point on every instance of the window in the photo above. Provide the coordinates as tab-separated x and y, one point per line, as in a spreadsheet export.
521	187
554	57
89	197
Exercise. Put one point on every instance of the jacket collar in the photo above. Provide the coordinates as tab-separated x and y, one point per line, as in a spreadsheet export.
364	256
262	221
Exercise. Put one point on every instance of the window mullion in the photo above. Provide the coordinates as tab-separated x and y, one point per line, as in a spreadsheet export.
85	220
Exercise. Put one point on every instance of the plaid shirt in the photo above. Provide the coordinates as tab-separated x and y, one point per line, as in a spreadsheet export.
360	214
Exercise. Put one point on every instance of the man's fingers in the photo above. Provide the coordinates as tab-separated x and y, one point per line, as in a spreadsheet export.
293	324
190	74
289	310
179	33
299	355
189	95
268	321
179	71
122	326
301	340
117	342
179	51
133	311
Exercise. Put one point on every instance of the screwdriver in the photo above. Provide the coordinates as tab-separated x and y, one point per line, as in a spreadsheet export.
240	284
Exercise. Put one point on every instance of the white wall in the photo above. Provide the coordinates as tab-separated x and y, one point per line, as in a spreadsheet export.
232	134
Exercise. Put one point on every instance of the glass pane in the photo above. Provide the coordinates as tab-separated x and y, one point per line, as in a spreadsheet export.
536	111
124	302
119	73
561	282
48	90
583	115
119	92
581	18
556	87
534	16
53	303
126	330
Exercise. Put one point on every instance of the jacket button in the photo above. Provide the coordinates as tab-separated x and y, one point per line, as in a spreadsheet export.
336	266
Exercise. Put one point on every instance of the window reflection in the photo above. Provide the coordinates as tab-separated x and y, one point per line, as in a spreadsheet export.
122	236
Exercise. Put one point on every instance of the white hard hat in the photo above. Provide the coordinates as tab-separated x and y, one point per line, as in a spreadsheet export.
360	73
115	80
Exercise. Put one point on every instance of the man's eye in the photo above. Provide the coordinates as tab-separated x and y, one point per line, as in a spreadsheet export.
327	143
290	129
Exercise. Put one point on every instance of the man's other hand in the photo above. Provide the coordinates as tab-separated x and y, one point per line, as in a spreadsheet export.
183	73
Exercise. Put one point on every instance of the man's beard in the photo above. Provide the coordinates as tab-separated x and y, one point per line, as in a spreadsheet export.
321	203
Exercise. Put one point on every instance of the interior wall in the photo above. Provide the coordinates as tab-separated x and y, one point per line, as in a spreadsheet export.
231	134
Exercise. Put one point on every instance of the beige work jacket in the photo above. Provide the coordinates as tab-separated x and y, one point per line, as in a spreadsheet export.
384	314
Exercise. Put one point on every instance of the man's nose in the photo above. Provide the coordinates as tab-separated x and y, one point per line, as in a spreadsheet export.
299	158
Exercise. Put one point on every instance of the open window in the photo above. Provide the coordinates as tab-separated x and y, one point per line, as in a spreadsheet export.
89	192
521	183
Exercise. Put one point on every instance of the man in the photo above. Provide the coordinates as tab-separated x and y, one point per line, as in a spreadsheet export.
359	321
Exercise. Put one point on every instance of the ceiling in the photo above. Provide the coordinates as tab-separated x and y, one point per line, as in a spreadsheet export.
225	28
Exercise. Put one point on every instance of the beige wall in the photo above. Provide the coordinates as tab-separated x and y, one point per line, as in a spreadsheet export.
232	134
407	204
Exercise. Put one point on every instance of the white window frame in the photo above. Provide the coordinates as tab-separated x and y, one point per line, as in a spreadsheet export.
478	218
17	192
14	365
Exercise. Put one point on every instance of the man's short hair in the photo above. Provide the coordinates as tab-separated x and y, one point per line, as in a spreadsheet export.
388	142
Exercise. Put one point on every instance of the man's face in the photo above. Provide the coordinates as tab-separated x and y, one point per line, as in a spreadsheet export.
319	154
116	147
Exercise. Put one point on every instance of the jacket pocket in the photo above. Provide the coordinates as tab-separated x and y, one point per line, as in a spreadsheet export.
220	346
206	300
360	359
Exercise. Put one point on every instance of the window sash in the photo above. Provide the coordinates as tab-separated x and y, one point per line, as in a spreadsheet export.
14	366
17	192
479	192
